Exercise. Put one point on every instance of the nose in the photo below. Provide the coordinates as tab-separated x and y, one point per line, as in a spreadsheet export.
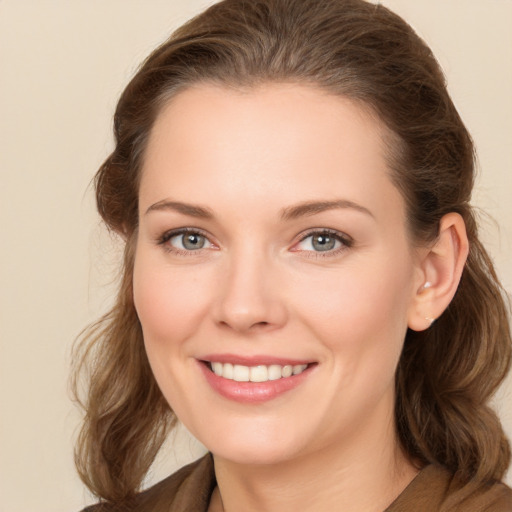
251	297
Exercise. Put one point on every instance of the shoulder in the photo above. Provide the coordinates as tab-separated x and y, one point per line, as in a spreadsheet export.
189	488
436	489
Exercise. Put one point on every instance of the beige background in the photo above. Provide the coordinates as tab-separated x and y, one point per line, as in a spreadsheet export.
62	66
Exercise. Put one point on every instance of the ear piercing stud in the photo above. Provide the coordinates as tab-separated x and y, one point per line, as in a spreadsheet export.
426	286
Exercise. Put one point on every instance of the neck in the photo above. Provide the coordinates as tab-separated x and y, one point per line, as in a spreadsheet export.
360	476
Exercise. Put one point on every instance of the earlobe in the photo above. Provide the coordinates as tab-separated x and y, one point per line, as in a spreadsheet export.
441	267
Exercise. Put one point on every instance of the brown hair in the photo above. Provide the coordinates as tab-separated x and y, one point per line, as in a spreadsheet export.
352	48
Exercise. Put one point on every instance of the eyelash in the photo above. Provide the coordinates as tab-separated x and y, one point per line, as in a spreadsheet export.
345	241
162	240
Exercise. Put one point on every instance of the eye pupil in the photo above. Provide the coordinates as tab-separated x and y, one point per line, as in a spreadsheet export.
323	242
193	241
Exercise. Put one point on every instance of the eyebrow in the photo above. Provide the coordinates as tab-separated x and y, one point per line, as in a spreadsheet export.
289	213
191	210
314	207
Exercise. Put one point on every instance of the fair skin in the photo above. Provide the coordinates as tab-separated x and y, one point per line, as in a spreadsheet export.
296	253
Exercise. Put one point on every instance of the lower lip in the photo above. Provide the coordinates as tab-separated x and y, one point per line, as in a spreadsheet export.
253	392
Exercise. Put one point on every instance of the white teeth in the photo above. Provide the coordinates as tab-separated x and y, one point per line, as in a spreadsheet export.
217	369
287	371
227	370
274	372
240	373
260	373
298	368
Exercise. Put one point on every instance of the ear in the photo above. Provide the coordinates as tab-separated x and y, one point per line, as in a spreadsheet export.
440	270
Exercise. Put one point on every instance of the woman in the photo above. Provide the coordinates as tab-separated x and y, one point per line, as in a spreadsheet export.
303	283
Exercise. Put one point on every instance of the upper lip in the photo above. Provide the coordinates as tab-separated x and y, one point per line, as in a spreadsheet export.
254	360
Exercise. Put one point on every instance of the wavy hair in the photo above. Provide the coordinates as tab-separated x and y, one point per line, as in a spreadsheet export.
447	374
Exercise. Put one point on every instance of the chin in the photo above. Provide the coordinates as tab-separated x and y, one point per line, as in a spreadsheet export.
253	455
256	446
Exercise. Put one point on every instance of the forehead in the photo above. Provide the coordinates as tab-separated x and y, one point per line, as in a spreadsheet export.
285	107
274	142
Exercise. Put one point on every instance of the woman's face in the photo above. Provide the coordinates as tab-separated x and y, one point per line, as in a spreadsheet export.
271	242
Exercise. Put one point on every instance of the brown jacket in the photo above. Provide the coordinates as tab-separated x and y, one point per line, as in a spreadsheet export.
433	490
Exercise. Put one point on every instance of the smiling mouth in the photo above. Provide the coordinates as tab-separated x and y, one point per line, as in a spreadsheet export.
259	373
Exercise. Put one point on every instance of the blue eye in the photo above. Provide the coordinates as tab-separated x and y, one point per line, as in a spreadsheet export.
188	241
323	241
185	241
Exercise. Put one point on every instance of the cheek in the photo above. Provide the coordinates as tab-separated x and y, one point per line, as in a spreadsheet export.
167	300
360	313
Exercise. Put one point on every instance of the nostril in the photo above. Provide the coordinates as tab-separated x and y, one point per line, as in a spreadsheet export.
259	316
248	326
260	324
